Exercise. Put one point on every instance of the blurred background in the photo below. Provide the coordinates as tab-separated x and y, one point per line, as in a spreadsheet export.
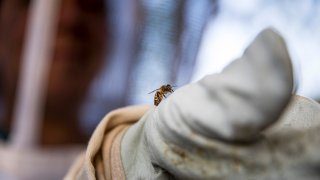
111	53
236	24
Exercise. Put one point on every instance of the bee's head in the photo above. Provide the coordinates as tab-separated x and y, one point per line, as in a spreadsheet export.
168	88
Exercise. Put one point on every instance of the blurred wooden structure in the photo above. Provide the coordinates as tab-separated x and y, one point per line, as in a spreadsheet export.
22	157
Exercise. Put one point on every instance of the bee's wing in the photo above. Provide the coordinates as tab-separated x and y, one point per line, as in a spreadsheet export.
153	91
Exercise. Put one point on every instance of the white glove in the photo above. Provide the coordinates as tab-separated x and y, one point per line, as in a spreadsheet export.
248	96
187	133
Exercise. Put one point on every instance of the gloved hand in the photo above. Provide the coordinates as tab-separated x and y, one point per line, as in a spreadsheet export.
189	134
236	105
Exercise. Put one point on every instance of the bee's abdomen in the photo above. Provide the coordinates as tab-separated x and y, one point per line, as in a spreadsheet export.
157	98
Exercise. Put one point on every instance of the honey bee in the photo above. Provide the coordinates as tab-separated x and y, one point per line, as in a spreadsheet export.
161	93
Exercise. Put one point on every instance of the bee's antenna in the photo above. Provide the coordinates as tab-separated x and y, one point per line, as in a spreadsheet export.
153	91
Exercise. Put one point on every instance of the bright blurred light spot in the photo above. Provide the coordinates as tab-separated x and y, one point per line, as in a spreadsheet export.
221	44
237	23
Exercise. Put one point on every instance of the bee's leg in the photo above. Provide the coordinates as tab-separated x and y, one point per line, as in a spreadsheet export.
164	96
